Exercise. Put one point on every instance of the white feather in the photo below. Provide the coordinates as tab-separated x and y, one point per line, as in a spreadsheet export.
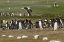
3	35
45	38
18	37
54	41
24	36
36	36
10	36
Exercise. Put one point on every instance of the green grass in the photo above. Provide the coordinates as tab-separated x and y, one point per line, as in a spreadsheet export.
16	6
39	7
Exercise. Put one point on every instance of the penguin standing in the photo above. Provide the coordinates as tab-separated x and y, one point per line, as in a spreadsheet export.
6	24
40	23
16	24
56	5
37	24
55	26
61	25
20	25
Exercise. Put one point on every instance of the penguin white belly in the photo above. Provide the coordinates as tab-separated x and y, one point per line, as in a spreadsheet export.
61	22
28	14
40	24
20	26
6	25
16	22
55	26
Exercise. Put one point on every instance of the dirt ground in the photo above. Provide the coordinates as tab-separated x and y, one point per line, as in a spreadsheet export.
48	32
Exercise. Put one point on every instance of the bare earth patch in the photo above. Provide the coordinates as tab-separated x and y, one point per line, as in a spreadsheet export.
48	32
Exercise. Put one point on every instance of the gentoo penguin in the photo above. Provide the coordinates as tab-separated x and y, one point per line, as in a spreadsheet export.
55	25
28	9
40	23
20	25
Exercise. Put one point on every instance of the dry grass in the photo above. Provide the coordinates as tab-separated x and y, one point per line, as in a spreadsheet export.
52	35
